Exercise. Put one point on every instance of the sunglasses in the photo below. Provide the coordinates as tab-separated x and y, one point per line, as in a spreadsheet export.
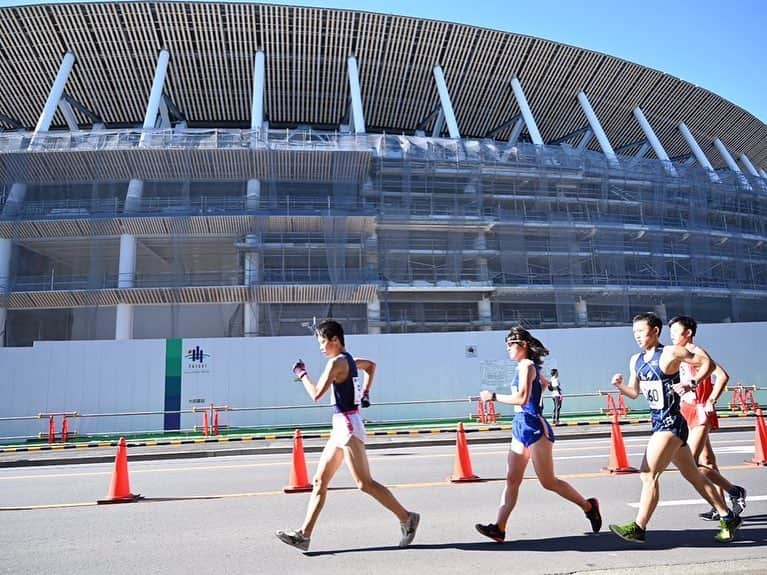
513	341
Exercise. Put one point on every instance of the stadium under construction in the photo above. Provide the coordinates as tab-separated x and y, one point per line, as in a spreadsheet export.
192	169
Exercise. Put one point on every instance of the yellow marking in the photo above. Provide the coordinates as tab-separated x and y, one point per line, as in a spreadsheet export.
175	442
223	439
269	437
151	443
391	432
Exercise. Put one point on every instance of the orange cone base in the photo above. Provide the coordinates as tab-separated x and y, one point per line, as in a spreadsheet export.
621	470
757	462
296	488
468	479
129	499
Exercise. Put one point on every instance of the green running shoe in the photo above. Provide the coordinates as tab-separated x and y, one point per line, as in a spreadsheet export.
727	529
629	532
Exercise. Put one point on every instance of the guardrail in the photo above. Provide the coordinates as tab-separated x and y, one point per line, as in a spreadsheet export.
399	412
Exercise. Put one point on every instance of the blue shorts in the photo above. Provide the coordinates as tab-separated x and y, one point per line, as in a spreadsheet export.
527	428
675	423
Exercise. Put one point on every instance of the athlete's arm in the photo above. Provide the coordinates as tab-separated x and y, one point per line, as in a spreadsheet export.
632	388
369	367
527	375
336	369
676	354
721	378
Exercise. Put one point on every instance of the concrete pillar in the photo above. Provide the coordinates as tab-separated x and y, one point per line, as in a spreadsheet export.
126	279
374	316
660	310
5	281
581	312
481	244
15	199
251	312
485	310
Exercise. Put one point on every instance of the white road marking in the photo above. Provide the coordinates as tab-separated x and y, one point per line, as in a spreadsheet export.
681	502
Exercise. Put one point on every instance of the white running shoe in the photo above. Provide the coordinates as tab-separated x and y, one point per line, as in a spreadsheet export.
295	538
409	528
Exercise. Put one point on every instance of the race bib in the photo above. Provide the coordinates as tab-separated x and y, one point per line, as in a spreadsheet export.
653	391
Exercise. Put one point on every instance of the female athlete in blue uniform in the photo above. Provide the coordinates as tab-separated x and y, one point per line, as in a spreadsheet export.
654	372
347	438
532	436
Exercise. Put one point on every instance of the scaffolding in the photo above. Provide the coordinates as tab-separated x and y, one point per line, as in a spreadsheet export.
388	233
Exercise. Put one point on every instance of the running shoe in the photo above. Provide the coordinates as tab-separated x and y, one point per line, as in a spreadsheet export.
594	515
491	530
295	538
629	532
727	529
738	501
409	528
710	515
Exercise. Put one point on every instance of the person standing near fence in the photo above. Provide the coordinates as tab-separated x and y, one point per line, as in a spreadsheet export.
556	395
699	397
653	372
532	436
347	437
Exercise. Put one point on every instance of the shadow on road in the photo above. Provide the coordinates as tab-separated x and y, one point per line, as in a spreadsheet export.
748	536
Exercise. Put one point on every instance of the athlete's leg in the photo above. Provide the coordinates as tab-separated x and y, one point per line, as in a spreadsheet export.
659	452
330	461
516	463
357	461
689	470
543	462
707	463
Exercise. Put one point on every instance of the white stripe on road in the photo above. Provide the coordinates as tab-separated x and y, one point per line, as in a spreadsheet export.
680	502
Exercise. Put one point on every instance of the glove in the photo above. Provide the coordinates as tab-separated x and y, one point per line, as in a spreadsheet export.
299	369
365	399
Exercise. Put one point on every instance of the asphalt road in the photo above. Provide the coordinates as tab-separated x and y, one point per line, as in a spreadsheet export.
218	515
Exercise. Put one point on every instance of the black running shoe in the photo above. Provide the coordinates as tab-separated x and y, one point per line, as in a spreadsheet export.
594	515
710	515
738	501
491	530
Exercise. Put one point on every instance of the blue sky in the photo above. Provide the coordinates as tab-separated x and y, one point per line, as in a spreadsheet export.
717	45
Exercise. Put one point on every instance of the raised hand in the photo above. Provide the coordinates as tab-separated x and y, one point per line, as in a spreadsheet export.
299	369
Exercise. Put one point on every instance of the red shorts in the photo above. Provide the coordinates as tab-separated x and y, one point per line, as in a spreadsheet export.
695	415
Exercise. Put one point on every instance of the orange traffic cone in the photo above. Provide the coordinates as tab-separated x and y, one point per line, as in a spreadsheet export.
119	487
619	461
299	478
462	471
760	440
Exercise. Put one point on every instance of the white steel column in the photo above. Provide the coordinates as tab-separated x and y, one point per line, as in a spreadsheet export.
527	114
725	153
252	259
447	105
374	316
697	151
357	116
257	103
596	127
585	140
155	95
57	91
763	173
516	131
654	141
749	166
126	279
731	163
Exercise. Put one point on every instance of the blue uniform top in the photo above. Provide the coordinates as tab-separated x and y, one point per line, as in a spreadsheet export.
346	394
533	405
656	386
